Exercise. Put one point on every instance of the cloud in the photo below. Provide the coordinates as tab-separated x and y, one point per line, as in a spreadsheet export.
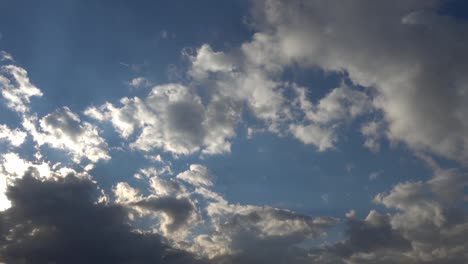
198	175
5	56
420	88
14	137
372	234
16	88
63	129
201	221
428	226
232	77
59	221
252	76
169	201
13	167
139	82
255	234
208	61
178	213
372	132
173	118
375	175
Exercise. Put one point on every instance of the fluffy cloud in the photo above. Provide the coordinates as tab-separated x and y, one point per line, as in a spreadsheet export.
421	89
429	225
372	131
255	234
238	80
14	137
321	121
63	129
207	60
16	88
173	118
198	175
252	76
139	82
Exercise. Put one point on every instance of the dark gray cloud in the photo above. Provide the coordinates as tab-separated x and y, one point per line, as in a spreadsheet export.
369	235
58	221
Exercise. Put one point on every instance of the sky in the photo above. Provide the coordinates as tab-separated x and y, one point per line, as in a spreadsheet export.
249	131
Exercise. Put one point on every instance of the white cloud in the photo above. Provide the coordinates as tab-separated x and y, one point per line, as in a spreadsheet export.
16	88
139	82
124	193
372	132
198	175
420	88
429	215
340	106
250	76
258	232
173	118
206	60
322	137
63	129
15	137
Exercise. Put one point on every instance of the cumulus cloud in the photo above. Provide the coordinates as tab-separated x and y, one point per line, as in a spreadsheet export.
14	137
420	88
63	129
139	82
198	175
372	132
255	234
208	61
429	225
16	88
251	76
173	118
233	77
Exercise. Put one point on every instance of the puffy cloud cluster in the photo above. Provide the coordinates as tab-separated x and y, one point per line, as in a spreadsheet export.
429	224
173	118
340	105
16	88
200	220
258	234
252	76
14	137
419	89
413	58
63	129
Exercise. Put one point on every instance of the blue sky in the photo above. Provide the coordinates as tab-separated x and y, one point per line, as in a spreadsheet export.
313	130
